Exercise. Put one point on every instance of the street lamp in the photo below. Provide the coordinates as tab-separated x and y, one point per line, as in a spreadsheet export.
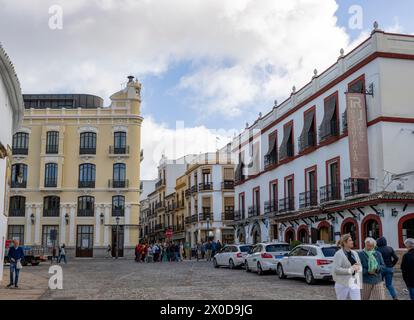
102	218
208	227
117	236
67	218
32	218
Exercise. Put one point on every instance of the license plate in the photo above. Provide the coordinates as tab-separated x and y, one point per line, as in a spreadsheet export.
279	257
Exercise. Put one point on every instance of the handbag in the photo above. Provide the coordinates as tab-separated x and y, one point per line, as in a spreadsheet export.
19	265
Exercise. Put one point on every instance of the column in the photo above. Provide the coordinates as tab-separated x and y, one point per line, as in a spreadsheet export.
37	225
72	225
106	230
127	219
28	235
97	225
62	224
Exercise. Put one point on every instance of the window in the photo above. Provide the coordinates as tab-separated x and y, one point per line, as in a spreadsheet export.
87	175
20	143
271	155
52	142
356	86
277	247
242	206
51	205
307	138
19	175
16	232
273	196
119	175
329	126
50	236
118	206
287	147
329	251
51	173
120	142
17	206
254	165
256	201
239	173
86	206
87	143
332	191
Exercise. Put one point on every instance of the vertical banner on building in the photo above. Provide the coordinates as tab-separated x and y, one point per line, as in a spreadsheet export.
358	135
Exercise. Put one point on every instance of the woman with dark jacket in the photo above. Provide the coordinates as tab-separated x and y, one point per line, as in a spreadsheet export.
372	268
390	260
407	267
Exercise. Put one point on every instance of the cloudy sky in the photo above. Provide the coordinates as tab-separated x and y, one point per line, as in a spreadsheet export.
211	65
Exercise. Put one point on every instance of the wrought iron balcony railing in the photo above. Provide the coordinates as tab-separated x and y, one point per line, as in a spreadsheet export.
354	187
308	199
330	192
287	204
227	185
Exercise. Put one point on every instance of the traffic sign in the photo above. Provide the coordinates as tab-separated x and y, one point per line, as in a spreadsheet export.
168	233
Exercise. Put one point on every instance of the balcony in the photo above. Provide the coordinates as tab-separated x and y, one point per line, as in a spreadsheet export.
118	184
194	218
193	189
118	212
159	227
286	151
353	187
159	205
308	199
86	184
20	151
330	192
187	193
205	186
270	206
17	184
287	204
159	183
270	159
239	175
328	130
344	122
187	220
205	215
178	228
253	211
84	151
307	141
17	212
52	149
53	212
228	216
85	212
50	183
113	150
227	185
237	215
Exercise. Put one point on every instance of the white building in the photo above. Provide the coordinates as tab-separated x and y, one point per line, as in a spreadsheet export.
296	179
11	110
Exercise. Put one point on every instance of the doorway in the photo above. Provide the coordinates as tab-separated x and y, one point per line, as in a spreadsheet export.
118	241
84	242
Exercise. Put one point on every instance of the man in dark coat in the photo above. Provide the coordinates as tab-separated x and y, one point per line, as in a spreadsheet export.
390	260
407	267
15	255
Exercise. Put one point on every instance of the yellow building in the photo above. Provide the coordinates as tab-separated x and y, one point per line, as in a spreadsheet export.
76	173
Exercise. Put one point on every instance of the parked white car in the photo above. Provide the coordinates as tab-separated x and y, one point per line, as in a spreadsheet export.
264	256
311	262
231	256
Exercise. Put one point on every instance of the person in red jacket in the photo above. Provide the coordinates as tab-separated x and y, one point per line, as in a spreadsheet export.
138	251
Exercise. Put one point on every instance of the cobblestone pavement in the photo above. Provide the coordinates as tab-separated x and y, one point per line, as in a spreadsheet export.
126	279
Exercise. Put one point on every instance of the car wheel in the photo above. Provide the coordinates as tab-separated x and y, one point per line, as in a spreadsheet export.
309	278
246	266
280	272
215	263
231	264
259	269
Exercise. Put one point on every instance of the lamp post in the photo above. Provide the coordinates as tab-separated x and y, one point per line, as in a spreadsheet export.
208	227
117	237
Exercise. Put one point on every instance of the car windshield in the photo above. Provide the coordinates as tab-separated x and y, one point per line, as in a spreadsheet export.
277	247
329	251
245	248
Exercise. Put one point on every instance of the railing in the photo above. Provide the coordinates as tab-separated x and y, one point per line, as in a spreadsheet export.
253	211
239	175
52	149
308	199
287	204
354	187
53	212
194	218
118	184
20	151
159	204
306	141
178	228
118	150
160	183
159	227
85	212
188	220
270	206
193	189
227	185
344	122
87	150
330	192
237	215
270	159
205	215
17	212
50	183
118	212
205	186
227	216
16	184
286	151
187	193
86	184
329	129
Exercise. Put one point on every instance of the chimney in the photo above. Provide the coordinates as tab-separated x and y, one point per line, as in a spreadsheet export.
130	79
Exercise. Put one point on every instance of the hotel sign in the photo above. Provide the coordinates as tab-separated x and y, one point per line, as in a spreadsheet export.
357	135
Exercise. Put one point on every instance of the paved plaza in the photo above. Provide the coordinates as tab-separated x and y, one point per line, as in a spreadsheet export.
125	279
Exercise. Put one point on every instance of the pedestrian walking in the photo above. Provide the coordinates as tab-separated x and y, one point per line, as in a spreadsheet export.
372	269
199	251
347	270
54	255
181	246
209	250
144	252
108	252
177	252
138	250
407	267
62	254
390	260
219	246
15	255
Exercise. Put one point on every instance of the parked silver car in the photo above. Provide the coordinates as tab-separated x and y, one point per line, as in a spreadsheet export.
231	256
264	256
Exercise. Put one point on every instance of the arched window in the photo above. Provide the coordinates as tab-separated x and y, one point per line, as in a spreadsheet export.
289	235
118	206
51	206
87	143
119	175
303	234
371	227
120	142
17	206
20	143
87	175
86	206
405	229
350	226
19	175
52	142
51	174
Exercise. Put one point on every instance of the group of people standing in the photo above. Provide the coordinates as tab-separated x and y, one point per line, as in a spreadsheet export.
206	250
361	275
159	252
59	254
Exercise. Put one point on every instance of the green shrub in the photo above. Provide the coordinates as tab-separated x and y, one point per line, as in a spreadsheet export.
294	243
